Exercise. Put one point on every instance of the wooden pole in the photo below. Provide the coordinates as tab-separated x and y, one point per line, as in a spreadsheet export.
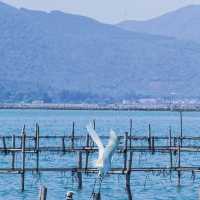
128	176
94	124
4	145
170	145
13	152
73	133
149	139
153	144
23	158
43	193
125	149
63	145
79	174
37	147
97	196
181	127
179	162
130	132
87	152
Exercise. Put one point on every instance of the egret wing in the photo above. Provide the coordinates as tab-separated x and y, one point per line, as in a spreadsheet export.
95	138
112	145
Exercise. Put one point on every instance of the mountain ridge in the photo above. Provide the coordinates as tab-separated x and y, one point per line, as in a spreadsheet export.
58	57
181	24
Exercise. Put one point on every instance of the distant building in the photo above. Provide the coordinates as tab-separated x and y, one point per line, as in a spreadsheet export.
38	102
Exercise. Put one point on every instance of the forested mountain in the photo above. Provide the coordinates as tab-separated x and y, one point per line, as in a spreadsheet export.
58	57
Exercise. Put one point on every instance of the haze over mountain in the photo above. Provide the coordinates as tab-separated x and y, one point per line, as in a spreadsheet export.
67	58
182	24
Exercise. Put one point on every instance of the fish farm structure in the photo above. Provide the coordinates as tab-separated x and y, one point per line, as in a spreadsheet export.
17	147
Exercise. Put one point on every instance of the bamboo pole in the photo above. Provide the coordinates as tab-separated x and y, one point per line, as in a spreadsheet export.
37	147
4	145
73	133
149	139
23	158
79	174
179	162
170	144
13	152
63	145
128	176
130	133
181	127
87	152
125	149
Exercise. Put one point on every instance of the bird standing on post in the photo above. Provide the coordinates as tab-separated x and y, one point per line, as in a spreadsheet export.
105	155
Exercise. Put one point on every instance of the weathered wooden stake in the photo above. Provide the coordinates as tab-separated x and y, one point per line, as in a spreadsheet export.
179	162
23	158
130	133
13	152
87	152
149	139
79	174
125	149
37	147
97	196
181	127
4	145
153	144
128	176
63	145
73	133
170	145
43	193
94	124
175	141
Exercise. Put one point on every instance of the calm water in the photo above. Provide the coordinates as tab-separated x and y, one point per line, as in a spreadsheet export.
144	186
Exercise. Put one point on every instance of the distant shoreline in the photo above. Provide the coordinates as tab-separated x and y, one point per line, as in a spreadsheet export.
114	107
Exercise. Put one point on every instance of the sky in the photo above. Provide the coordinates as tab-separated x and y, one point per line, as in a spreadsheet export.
107	11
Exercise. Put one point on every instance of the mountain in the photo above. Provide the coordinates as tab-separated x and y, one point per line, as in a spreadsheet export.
182	24
61	57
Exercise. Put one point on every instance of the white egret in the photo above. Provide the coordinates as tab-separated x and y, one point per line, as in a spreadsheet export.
103	162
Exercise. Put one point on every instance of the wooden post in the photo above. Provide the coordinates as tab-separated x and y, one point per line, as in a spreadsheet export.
181	127
79	174
128	176
175	141
87	152
170	146
13	152
37	147
153	144
179	162
130	133
73	133
4	145
97	196
94	124
43	193
63	144
23	158
94	127
125	149
149	139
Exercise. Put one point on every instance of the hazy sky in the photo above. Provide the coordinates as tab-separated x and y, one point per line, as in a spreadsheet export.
109	11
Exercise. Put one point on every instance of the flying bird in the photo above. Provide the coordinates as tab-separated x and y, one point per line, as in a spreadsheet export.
103	163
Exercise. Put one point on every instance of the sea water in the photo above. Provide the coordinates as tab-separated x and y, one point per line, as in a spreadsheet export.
156	186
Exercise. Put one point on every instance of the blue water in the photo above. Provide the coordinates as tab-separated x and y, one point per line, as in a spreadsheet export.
143	185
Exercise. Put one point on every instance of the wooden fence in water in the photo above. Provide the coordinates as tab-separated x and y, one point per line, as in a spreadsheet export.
171	145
